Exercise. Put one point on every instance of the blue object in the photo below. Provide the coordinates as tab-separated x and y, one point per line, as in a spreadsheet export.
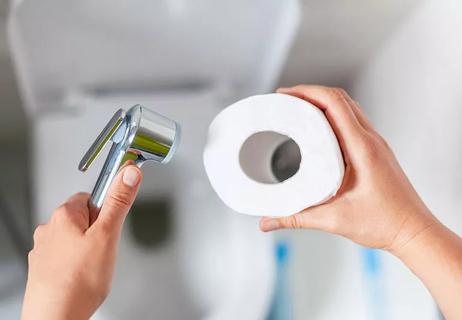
374	280
281	308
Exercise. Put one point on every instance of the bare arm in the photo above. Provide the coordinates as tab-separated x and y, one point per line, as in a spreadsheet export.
377	206
435	256
72	262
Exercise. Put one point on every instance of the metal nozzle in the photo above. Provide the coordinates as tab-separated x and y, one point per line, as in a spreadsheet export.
140	135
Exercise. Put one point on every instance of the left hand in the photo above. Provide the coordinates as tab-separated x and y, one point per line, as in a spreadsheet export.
376	205
72	262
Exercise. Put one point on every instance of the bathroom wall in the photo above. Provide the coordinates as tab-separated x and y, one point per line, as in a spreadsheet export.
337	36
411	91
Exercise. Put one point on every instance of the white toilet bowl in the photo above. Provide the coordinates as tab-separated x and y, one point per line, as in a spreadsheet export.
78	63
213	264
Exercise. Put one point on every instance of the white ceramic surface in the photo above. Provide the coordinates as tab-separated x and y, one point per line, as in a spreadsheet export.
213	258
77	63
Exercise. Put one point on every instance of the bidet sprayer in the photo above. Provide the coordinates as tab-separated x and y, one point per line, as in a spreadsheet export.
138	134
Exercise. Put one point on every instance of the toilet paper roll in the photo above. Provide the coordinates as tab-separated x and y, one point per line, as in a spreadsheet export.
272	155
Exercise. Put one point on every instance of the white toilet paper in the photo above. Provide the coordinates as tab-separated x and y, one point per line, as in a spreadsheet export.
243	154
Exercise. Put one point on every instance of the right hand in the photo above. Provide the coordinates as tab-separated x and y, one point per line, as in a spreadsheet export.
72	262
376	205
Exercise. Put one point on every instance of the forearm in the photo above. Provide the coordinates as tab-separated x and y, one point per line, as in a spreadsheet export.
49	308
377	206
435	256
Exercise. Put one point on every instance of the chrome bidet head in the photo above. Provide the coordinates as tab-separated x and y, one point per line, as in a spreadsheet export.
138	134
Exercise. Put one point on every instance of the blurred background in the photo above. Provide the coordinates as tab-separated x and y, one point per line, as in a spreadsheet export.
66	66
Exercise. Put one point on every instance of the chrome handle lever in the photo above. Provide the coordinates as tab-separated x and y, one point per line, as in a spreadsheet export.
140	135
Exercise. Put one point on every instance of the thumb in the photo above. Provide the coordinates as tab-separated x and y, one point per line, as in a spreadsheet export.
321	217
119	199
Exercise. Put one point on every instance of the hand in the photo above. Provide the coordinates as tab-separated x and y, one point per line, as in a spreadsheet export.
376	205
72	262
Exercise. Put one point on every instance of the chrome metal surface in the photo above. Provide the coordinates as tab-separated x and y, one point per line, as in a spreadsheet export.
102	140
156	135
139	135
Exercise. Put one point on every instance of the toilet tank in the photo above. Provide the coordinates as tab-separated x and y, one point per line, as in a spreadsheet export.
137	45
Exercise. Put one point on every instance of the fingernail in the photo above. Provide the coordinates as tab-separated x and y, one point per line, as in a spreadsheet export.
270	224
131	176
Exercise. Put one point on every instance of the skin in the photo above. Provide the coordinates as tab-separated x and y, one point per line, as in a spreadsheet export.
72	262
377	206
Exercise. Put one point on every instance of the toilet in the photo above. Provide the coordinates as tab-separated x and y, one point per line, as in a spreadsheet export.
183	254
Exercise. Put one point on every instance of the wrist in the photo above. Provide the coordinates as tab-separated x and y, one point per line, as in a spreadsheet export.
417	226
40	306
